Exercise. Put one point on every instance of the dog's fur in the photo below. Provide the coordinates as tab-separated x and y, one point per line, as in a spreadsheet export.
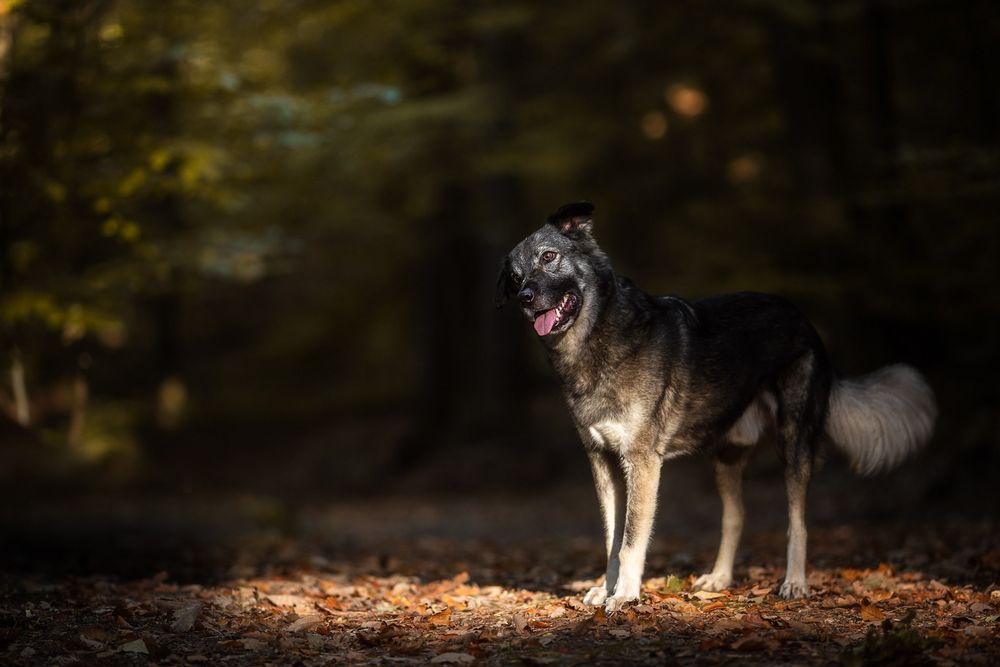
648	378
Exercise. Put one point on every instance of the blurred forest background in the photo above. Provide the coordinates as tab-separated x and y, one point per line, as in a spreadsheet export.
253	245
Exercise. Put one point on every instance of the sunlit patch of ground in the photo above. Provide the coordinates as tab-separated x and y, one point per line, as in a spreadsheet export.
295	594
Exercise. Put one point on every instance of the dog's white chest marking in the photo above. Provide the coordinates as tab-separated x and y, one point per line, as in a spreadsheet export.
754	421
619	434
612	434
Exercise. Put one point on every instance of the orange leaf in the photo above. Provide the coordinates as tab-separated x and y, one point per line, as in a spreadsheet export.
441	618
870	612
718	604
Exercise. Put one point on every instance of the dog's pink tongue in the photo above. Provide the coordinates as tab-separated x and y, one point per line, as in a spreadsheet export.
545	322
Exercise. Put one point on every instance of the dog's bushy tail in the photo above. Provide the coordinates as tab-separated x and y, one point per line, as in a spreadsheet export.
881	418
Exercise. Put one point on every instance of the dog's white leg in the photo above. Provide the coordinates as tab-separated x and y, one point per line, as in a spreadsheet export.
642	482
611	498
796	481
729	479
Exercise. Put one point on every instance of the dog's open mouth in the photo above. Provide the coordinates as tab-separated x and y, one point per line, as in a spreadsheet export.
546	321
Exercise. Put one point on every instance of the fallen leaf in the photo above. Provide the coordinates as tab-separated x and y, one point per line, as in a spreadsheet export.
880	596
454	658
995	595
978	631
305	623
681	606
301	605
718	604
708	595
184	617
252	644
442	618
760	591
135	646
839	601
557	612
520	622
870	612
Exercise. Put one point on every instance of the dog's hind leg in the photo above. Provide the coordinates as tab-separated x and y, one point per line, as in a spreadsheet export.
642	483
804	393
796	483
610	483
729	479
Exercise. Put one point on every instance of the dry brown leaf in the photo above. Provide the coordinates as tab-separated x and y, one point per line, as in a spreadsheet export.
880	596
305	623
184	617
252	644
135	646
839	601
301	605
870	612
680	605
442	618
718	604
759	591
709	595
519	622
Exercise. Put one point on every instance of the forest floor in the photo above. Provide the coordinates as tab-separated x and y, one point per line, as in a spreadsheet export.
470	581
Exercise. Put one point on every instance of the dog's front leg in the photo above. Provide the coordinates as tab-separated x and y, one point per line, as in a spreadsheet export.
642	482
611	497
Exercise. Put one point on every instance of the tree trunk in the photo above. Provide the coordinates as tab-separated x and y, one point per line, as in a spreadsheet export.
22	409
78	411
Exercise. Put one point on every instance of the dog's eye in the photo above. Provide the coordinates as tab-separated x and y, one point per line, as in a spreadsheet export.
548	256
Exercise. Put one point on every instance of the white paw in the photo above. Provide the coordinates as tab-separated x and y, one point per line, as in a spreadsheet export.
712	582
596	596
794	589
617	602
626	590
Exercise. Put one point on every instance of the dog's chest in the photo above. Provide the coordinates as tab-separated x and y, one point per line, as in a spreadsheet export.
611	424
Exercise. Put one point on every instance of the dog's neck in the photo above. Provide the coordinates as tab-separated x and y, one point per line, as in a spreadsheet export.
581	356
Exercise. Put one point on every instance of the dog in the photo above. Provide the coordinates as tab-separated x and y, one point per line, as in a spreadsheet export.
649	378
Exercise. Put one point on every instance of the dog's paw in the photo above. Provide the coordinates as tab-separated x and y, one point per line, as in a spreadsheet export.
712	582
596	596
618	602
791	590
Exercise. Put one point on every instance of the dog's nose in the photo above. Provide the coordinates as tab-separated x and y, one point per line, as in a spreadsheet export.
527	295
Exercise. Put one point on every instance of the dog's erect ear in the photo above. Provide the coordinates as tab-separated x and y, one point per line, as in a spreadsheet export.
574	219
505	283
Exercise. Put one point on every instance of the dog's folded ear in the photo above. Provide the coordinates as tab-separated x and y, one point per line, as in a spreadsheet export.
505	283
573	219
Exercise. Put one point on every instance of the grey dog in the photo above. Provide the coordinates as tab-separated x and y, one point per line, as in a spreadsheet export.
648	378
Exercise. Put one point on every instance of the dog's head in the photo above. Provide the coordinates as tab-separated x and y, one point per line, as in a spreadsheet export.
554	271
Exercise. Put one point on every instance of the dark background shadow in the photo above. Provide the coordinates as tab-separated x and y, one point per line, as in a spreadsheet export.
248	251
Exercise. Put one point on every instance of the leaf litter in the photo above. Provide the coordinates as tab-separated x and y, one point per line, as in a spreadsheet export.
455	602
